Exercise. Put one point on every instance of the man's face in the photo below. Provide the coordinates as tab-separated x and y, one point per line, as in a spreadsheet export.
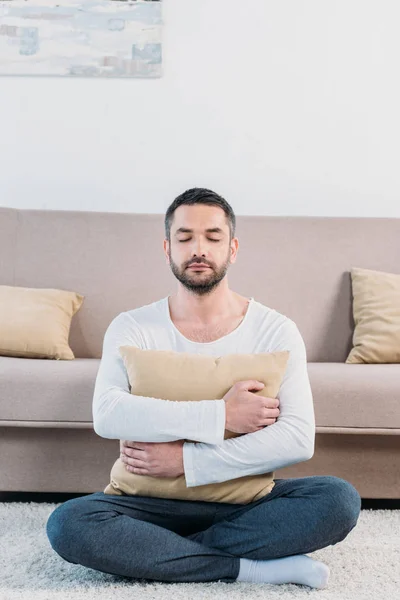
199	246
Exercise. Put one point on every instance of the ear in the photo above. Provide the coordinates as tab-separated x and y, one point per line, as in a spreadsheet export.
234	249
166	246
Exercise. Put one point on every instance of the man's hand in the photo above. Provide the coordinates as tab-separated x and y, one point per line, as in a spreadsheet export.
156	459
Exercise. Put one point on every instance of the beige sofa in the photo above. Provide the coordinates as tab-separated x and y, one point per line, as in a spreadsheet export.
297	265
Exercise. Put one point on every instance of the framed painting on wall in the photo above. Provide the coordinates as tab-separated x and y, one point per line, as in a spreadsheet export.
81	38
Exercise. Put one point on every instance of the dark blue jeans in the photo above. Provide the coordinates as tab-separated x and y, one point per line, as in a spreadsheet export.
188	541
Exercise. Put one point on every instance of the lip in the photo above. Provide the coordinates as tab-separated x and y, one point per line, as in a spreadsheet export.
199	267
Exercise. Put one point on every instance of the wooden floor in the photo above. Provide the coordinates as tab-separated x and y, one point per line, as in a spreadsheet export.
373	503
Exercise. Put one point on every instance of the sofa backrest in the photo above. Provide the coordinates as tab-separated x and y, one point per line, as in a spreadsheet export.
298	265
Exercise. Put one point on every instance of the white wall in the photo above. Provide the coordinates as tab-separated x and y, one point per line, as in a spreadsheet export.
285	107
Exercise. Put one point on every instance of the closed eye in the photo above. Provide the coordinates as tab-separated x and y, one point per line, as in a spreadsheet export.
182	241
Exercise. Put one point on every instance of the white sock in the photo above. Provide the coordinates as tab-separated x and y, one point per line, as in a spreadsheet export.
298	568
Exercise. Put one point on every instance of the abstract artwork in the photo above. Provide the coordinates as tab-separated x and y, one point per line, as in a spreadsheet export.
81	38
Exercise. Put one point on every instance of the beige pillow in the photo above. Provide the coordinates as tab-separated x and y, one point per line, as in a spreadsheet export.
376	311
35	322
182	376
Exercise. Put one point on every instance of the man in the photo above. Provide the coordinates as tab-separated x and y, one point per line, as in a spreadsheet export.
186	541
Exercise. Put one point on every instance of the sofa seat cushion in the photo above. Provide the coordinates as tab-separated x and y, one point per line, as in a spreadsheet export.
42	390
49	391
356	395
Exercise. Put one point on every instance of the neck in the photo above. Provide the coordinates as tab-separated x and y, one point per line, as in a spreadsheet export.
207	309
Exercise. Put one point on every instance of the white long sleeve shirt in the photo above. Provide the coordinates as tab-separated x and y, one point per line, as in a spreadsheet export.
117	414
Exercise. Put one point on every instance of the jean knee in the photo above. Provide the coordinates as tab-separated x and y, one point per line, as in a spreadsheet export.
58	527
345	499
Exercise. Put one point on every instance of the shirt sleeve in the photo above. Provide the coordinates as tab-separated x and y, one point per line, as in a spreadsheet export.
288	441
118	414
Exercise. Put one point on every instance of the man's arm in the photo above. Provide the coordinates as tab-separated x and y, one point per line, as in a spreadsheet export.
118	414
288	441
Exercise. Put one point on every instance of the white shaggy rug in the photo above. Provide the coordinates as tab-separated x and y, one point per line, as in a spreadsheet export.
366	565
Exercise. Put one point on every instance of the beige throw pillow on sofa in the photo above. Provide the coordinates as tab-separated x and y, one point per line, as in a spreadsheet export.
35	322
376	311
182	376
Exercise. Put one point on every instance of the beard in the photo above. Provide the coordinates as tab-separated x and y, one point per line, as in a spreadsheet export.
199	282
